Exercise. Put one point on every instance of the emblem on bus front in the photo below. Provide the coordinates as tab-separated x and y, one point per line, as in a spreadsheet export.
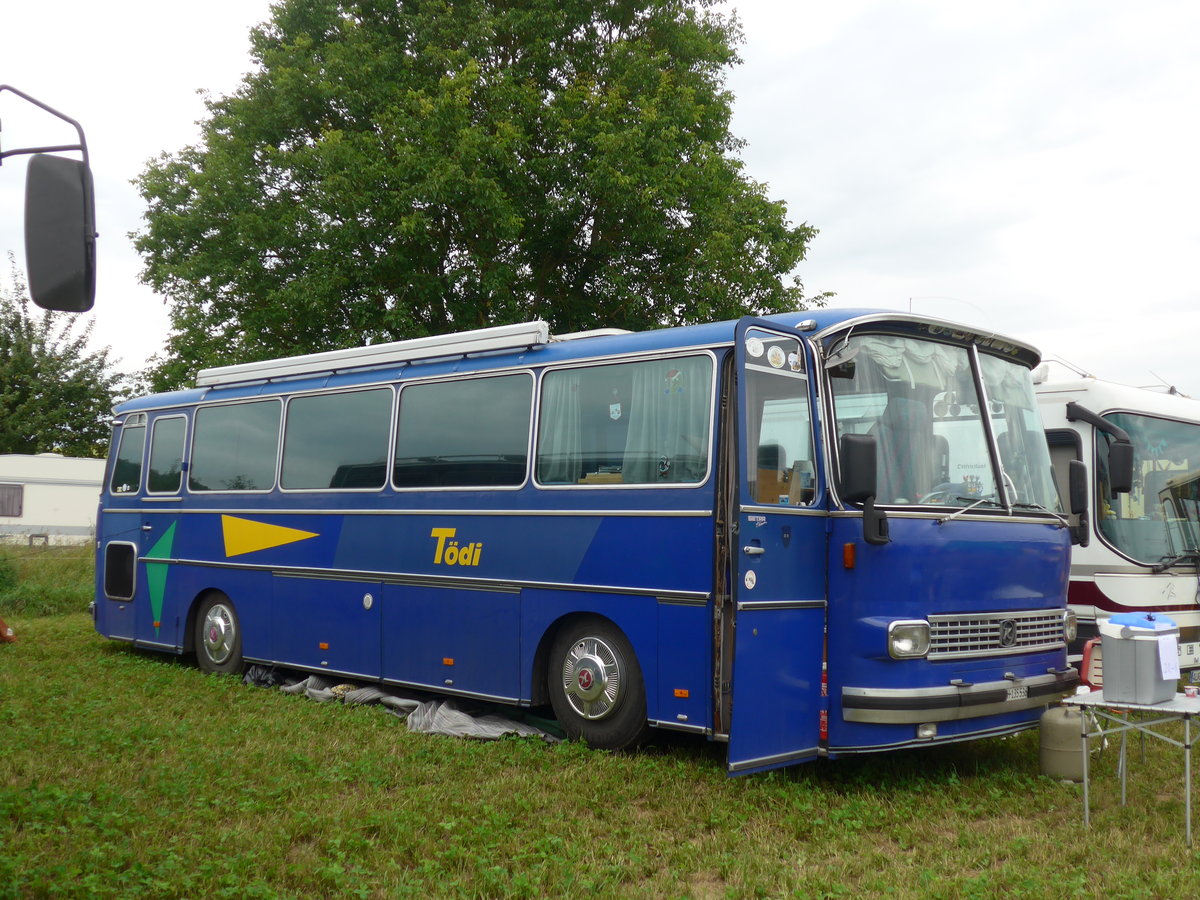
1008	633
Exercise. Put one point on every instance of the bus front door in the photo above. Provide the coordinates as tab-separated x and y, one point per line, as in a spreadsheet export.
778	553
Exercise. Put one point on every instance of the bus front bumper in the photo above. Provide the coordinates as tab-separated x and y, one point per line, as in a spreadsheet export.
894	706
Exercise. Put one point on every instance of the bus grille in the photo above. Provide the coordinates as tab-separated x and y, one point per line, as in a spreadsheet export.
994	634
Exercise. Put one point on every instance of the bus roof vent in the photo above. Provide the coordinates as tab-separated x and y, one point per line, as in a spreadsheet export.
500	337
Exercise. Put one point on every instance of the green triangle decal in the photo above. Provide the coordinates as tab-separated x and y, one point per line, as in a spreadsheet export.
156	573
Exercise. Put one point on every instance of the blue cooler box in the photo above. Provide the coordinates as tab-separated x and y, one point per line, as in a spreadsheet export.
1132	669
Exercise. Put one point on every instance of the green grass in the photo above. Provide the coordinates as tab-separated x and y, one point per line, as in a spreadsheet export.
125	774
43	581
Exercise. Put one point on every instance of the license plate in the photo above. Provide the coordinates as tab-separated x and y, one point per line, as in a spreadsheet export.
1018	693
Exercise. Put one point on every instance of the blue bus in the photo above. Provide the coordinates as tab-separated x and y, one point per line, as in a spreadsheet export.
805	535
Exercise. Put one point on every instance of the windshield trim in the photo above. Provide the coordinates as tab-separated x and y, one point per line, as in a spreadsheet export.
993	446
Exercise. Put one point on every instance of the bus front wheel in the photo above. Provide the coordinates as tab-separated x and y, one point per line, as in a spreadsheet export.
218	636
596	685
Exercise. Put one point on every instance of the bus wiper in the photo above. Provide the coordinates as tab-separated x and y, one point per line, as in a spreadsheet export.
1168	562
1063	521
978	501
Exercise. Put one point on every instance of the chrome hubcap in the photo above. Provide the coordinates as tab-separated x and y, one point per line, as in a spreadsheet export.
219	633
591	678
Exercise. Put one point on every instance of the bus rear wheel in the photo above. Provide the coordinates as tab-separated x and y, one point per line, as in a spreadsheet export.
218	636
596	685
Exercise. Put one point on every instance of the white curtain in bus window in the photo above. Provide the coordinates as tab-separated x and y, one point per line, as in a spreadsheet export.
1024	454
668	417
336	441
235	447
626	423
560	454
918	398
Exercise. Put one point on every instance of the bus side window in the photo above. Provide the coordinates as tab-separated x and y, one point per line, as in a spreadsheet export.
468	433
645	422
336	441
165	475
127	467
235	447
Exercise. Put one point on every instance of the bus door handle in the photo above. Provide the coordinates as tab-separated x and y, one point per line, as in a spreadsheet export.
147	527
753	550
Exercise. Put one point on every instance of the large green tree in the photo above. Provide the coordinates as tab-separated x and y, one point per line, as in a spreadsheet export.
396	168
56	395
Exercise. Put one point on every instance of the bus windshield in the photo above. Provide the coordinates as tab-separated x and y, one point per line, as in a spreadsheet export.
1145	524
919	398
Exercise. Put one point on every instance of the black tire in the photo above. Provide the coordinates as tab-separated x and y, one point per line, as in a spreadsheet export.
596	685
218	636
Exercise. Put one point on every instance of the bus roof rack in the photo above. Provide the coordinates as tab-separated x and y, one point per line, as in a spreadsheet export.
499	337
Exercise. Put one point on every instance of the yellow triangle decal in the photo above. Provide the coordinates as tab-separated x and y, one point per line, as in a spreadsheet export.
246	536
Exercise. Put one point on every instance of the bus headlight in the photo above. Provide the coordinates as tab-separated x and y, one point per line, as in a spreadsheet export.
1070	625
908	638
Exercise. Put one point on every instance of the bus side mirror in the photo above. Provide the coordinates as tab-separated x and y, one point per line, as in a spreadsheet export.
1078	490
60	240
1120	448
1120	467
859	483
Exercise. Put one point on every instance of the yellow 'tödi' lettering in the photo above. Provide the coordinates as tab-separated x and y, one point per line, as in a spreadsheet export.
449	553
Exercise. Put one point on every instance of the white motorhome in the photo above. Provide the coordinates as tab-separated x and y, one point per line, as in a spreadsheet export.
1137	551
48	498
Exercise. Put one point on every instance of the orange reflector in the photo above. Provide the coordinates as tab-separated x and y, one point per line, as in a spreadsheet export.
322	646
848	554
447	660
681	693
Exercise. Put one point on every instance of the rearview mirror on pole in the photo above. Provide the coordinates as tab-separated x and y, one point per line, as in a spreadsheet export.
60	229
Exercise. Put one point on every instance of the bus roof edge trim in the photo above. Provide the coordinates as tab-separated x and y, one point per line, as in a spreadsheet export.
499	337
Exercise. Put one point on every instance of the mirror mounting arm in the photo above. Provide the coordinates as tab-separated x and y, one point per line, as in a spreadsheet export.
81	146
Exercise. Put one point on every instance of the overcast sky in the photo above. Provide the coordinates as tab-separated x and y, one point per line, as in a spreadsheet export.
1029	167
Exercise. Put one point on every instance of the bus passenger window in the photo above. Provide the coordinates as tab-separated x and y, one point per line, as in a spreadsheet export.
336	441
166	455
626	423
127	466
235	447
473	432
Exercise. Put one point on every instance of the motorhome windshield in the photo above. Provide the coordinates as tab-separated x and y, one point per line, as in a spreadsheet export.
919	398
1143	524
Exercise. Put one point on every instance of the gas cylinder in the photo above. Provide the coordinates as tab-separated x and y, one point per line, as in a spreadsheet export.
1061	752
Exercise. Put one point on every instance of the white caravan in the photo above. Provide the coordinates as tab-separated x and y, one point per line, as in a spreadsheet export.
48	499
1137	552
